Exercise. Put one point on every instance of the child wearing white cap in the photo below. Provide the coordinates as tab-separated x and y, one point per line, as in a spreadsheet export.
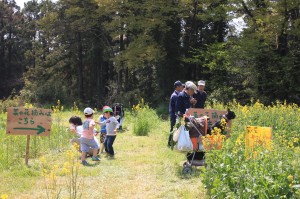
87	137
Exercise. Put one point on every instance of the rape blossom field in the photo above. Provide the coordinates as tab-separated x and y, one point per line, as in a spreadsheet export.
146	168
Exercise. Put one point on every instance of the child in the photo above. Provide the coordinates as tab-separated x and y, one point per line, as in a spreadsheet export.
87	137
111	131
102	119
76	127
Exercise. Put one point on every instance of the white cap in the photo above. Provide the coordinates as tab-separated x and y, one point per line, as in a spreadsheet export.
88	111
201	83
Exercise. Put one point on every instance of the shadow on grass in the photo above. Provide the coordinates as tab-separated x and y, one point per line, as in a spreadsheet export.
192	172
123	130
92	164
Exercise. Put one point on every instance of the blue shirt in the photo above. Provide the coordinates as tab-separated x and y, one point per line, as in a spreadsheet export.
103	128
173	100
183	102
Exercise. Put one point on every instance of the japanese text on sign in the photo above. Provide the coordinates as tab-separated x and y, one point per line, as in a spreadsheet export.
25	121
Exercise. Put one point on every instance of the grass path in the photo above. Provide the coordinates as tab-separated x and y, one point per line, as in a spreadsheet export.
143	168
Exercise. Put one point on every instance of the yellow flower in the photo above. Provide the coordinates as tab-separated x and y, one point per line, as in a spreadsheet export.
54	167
4	196
67	165
70	154
296	140
290	178
76	146
42	159
65	171
223	123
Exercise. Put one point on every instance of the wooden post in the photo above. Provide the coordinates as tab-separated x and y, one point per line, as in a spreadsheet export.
27	150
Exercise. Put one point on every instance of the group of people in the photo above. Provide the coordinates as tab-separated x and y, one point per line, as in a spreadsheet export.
87	133
185	96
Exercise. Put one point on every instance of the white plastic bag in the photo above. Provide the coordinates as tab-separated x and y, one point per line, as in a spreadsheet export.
177	133
184	142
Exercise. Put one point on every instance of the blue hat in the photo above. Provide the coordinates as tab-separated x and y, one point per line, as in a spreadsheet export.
178	83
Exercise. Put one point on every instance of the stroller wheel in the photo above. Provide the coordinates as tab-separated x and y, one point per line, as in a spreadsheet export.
187	170
185	164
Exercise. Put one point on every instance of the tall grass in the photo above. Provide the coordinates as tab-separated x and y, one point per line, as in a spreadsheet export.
145	119
229	173
12	147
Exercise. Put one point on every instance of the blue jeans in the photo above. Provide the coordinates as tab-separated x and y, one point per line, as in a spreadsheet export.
108	144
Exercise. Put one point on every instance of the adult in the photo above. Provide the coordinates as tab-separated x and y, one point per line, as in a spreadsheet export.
178	88
184	98
200	95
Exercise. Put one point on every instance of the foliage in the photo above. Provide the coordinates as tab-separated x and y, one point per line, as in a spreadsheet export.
122	172
263	173
69	169
92	51
145	119
10	102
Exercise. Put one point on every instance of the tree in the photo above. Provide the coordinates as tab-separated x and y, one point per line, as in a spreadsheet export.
11	46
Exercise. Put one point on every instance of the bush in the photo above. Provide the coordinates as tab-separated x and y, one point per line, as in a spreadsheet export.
10	102
233	172
162	110
145	119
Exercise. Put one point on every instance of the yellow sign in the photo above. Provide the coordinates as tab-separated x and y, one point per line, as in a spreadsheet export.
28	121
258	138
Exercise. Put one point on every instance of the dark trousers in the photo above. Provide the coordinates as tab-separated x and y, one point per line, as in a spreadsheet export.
173	121
108	144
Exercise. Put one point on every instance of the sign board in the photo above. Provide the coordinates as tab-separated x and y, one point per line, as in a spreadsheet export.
257	136
28	121
214	115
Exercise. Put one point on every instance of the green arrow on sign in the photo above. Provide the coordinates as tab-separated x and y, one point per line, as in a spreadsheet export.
39	128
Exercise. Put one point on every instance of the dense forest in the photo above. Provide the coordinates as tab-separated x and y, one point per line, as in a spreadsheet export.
102	51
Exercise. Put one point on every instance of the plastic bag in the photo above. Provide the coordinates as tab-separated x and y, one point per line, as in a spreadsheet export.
184	142
177	133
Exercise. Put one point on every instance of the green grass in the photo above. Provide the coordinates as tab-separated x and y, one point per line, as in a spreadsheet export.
144	166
